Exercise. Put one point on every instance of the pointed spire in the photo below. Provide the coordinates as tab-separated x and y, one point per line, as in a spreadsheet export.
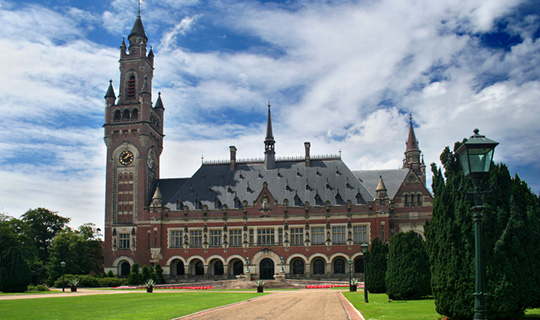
380	185
146	86
412	143
269	134
269	152
123	45
138	28
157	199
110	91
159	103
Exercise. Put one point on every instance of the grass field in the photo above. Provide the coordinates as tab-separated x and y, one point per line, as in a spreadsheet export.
119	306
379	308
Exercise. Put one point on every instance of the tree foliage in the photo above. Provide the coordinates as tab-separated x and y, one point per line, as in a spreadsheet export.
158	271
376	267
134	277
407	274
14	271
511	227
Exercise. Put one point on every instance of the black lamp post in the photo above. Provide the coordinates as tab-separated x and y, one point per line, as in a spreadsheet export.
282	269
247	267
475	156
365	248
63	265
349	262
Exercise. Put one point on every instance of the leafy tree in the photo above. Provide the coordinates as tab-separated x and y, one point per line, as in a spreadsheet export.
376	267
158	271
82	255
407	275
511	227
134	276
43	226
14	271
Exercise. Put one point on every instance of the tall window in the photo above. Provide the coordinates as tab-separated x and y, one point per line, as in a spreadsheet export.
195	238
317	235
280	236
318	266
235	237
175	238
215	238
297	236
131	87
360	234
123	241
125	193
338	235
265	237
420	198
383	234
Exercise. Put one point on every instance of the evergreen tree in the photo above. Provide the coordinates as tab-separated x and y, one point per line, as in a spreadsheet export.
145	273
407	274
511	226
376	266
14	271
158	271
134	277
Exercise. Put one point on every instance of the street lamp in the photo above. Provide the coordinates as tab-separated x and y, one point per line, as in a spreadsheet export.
282	269
63	265
475	156
247	266
350	273
365	248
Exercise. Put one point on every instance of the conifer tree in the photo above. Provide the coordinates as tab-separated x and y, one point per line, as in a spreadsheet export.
511	226
158	271
134	277
376	266
407	274
145	273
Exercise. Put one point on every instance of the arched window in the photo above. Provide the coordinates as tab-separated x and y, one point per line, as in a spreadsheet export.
131	87
406	200
125	115
117	115
339	266
135	114
318	266
298	266
419	202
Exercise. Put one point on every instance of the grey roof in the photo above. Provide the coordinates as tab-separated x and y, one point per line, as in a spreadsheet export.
169	187
392	179
215	185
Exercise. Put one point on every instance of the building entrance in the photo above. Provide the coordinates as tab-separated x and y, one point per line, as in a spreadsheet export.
267	269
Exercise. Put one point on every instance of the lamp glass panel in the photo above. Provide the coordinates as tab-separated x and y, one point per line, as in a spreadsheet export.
480	159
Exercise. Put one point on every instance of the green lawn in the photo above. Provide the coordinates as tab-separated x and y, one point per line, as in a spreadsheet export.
119	306
379	308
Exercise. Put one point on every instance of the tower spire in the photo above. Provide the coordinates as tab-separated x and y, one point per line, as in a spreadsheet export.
269	152
412	143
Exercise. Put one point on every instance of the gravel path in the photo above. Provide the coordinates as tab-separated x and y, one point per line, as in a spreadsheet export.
299	304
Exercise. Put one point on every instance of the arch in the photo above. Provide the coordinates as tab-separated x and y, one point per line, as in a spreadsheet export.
171	260
295	256
196	267
339	265
218	268
195	257
177	267
125	114
135	114
235	256
124	269
318	266
359	264
238	267
266	267
298	267
319	255
117	115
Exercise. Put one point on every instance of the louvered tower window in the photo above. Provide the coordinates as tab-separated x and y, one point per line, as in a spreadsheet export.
131	87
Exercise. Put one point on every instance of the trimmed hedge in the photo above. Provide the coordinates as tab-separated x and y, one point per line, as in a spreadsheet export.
90	281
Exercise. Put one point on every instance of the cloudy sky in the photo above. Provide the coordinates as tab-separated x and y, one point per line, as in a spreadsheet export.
343	75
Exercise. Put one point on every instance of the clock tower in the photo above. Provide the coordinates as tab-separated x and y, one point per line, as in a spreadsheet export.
134	140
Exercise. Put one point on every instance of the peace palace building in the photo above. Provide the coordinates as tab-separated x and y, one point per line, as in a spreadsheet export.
302	217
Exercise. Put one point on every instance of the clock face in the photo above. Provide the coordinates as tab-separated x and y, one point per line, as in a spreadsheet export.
126	157
150	161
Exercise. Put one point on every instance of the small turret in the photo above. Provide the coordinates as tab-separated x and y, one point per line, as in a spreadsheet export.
382	192
110	97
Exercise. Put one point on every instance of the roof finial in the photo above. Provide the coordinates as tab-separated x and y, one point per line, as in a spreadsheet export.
139	7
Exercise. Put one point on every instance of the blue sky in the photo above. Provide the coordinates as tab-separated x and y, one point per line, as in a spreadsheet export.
343	75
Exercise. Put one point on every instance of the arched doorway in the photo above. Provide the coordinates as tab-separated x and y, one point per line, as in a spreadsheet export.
180	268
238	268
339	266
267	269
319	266
125	269
359	265
218	268
298	267
199	268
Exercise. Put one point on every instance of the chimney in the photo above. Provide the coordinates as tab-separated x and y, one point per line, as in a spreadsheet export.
307	145
233	157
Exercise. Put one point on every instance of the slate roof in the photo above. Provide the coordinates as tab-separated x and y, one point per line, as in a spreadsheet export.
215	185
392	179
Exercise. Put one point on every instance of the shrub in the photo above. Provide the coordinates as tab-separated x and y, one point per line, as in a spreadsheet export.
407	276
110	274
39	287
112	282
